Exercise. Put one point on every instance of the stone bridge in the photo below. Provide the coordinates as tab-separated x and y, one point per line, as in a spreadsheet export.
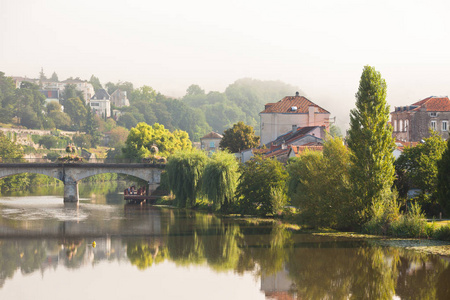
71	173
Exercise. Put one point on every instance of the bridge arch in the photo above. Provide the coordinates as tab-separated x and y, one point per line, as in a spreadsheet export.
71	173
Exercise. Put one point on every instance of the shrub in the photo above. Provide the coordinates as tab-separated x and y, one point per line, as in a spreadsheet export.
411	224
442	233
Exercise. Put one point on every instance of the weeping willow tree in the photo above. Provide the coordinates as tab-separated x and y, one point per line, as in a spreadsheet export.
184	173
220	180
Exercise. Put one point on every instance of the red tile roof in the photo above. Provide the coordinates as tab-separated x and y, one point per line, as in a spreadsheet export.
300	149
285	105
434	103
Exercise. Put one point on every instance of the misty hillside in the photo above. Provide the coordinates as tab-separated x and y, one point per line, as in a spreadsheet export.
197	112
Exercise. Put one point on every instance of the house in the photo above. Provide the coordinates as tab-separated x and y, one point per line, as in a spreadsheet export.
289	144
211	141
119	98
101	103
412	123
290	112
300	136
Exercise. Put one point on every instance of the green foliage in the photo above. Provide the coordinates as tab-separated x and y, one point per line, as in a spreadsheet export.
335	131
319	184
53	156
442	233
388	221
143	137
61	120
70	91
53	106
48	141
239	137
82	140
184	172
220	179
371	143
259	178
194	89
7	98
418	166
11	152
77	112
443	180
54	77
117	136
95	83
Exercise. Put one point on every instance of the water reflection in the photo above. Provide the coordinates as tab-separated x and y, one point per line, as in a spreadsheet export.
289	264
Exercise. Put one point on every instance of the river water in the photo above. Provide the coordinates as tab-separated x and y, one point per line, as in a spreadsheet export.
145	252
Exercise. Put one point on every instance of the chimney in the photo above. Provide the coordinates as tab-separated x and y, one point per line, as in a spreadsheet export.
297	94
294	128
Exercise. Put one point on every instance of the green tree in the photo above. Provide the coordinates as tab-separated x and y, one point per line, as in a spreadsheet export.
7	98
48	141
54	77
29	105
220	180
53	106
419	165
143	94
310	173
259	179
371	142
194	89
77	112
239	137
95	83
117	136
184	172
143	137
60	119
70	91
443	180
10	152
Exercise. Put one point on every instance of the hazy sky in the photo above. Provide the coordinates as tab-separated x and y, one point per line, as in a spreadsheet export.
320	46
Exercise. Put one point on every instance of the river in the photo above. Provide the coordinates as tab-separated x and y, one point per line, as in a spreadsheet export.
47	251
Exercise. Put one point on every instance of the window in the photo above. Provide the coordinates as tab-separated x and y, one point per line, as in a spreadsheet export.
395	125
211	145
400	125
433	125
406	125
444	125
95	104
433	114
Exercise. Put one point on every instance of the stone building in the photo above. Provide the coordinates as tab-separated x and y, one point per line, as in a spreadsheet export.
290	112
119	98
211	141
413	123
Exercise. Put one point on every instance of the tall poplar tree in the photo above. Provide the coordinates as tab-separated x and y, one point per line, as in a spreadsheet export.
443	180
371	143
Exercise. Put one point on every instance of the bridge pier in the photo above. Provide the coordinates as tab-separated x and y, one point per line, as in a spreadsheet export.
71	191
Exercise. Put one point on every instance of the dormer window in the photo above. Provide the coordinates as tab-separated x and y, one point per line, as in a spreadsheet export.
433	114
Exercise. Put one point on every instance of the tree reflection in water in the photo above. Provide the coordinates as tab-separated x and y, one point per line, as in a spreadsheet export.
311	267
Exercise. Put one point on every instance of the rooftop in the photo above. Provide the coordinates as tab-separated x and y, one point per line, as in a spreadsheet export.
286	104
213	135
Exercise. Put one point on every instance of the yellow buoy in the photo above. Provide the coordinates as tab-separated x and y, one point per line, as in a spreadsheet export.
93	244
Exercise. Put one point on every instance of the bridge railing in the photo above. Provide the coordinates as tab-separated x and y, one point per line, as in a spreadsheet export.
45	160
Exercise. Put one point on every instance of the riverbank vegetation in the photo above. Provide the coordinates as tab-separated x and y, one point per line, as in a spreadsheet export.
344	188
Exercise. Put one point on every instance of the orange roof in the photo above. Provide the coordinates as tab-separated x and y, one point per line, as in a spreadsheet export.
285	106
300	149
434	103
